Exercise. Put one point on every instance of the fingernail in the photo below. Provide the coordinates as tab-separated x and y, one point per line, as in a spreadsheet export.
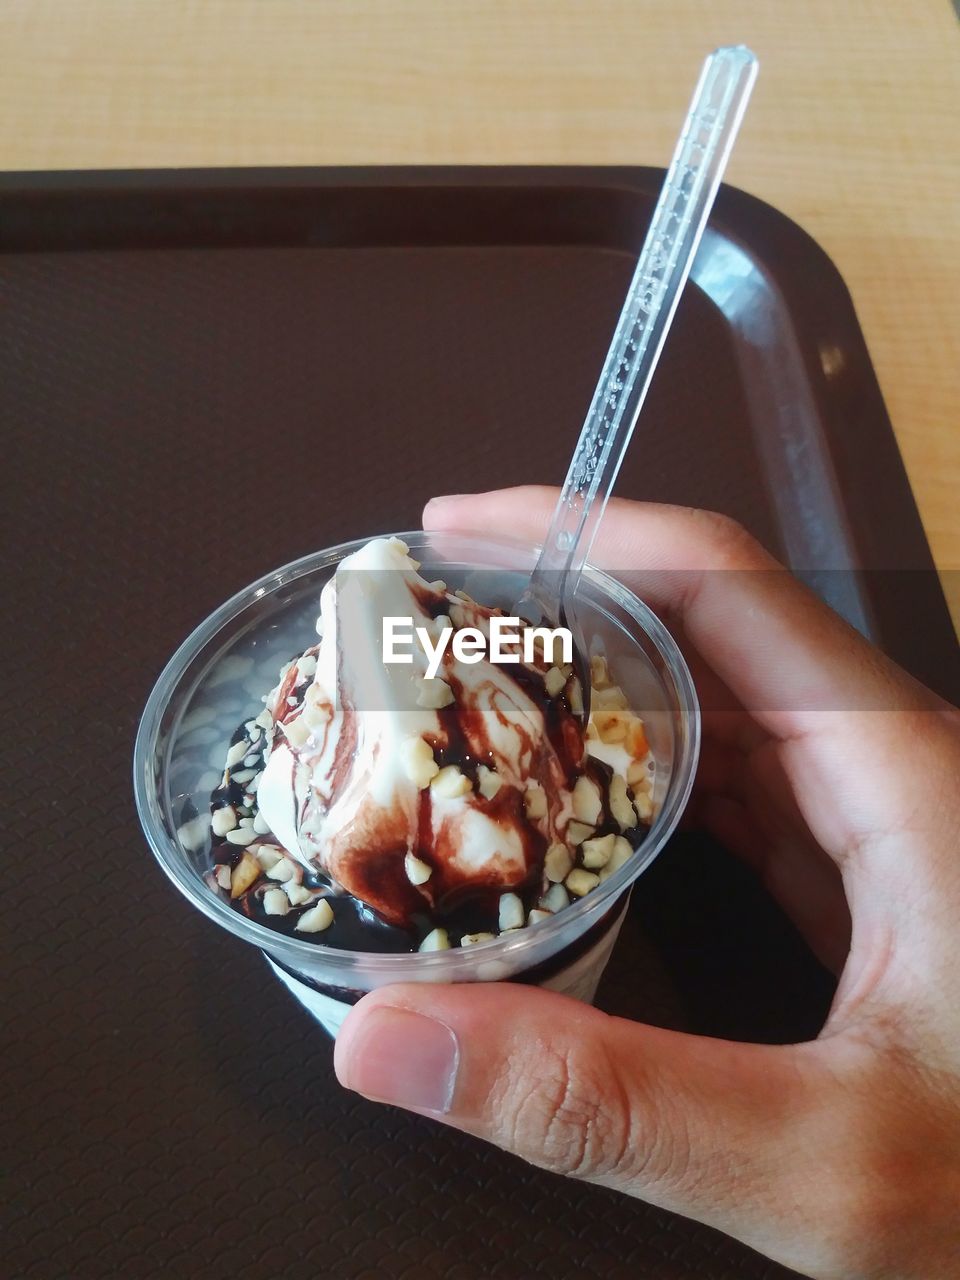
403	1058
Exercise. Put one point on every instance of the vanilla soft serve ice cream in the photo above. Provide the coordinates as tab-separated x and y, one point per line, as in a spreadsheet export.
435	800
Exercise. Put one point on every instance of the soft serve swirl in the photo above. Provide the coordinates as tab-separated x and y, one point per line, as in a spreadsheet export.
412	794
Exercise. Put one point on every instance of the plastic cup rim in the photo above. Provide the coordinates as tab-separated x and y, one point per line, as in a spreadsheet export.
291	950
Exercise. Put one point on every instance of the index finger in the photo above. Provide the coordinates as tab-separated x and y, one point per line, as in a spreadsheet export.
807	677
777	647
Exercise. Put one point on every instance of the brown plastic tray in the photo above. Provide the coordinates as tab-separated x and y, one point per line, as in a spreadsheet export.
206	374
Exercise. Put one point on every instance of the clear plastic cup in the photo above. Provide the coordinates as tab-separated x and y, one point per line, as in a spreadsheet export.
215	681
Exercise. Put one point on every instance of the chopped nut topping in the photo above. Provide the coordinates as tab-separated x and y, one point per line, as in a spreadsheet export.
598	852
489	782
296	731
587	803
535	801
418	762
572	867
575	696
275	902
511	912
283	870
555	899
242	835
580	882
434	694
315	711
437	940
599	672
306	666
223	820
642	803
622	851
636	739
554	681
610	699
418	871
558	863
316	919
638	775
577	832
268	855
620	806
611	723
450	783
244	874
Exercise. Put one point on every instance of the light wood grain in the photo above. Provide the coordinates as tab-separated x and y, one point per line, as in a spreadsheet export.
852	131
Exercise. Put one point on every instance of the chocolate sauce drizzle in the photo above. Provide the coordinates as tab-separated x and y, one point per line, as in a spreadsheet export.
463	741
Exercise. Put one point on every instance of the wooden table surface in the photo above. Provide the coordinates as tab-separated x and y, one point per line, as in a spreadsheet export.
852	130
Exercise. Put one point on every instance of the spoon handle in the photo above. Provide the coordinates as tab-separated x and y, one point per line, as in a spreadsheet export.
698	163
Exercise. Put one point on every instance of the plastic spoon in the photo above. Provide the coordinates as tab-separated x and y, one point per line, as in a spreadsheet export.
698	164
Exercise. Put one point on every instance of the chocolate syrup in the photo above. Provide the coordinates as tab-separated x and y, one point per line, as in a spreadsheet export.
356	926
463	741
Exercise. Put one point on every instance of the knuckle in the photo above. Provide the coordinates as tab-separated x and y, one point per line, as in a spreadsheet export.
733	546
567	1116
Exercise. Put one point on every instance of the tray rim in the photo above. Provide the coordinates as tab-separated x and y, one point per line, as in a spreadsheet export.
815	299
29	182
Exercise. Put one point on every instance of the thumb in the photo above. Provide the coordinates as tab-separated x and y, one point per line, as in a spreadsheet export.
695	1125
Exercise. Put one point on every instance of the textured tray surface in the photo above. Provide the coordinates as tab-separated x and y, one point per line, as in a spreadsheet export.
178	421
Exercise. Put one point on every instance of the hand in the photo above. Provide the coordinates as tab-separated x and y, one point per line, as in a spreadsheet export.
838	777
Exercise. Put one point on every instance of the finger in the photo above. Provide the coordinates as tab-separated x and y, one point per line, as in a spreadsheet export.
844	715
702	1127
759	629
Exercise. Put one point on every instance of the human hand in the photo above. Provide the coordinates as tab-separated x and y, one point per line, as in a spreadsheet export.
838	778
